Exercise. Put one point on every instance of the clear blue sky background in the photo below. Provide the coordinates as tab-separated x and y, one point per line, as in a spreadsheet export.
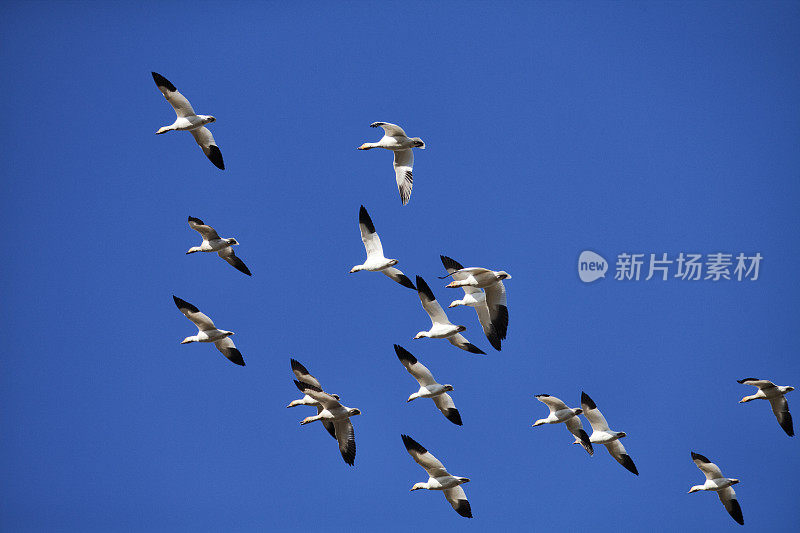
551	128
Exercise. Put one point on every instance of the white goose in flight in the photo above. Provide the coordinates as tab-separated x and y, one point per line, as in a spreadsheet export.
336	413
213	243
767	390
208	332
559	412
476	298
720	484
438	477
376	262
602	434
187	120
395	139
428	388
303	376
441	327
491	282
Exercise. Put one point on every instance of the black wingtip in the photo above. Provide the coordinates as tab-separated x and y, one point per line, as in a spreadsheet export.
234	356
627	462
494	340
471	348
196	220
364	218
404	355
500	321
463	509
736	512
588	401
746	379
412	445
183	304
541	395
297	366
303	386
405	282
161	81
786	424
376	124
215	156
450	264
698	457
453	416
422	288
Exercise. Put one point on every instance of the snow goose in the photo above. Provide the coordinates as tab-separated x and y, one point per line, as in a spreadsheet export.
438	477
441	327
303	376
187	120
559	412
476	299
428	388
208	332
774	393
491	281
395	139
720	484
376	262
336	413
213	243
602	434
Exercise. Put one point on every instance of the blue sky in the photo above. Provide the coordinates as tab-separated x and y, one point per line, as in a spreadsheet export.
551	128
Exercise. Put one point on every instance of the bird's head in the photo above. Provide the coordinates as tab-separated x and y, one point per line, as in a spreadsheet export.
448	388
209	119
418	486
393	262
420	335
503	275
461	328
187	340
232	241
734	481
354	412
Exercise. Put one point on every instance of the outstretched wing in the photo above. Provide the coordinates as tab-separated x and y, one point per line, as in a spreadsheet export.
708	468
576	428
178	102
191	312
414	367
460	341
617	451
205	230
552	402
397	275
372	243
458	499
229	350
228	255
430	304
728	498
780	407
392	130
448	408
346	436
424	458
593	414
403	165
206	141
498	308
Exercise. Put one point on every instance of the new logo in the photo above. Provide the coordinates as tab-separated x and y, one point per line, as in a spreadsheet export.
591	266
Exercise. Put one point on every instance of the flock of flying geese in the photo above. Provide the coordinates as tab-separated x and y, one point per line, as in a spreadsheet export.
483	290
